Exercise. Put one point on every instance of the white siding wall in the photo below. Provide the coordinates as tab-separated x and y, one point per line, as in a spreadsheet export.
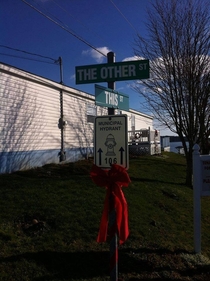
28	120
78	133
29	114
29	117
141	121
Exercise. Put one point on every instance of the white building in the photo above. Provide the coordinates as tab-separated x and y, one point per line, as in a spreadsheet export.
46	122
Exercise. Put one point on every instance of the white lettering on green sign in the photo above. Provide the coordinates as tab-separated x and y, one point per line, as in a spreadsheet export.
87	74
120	71
111	98
128	70
108	72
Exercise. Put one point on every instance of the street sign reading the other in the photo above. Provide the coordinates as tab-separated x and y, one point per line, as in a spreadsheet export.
111	141
118	71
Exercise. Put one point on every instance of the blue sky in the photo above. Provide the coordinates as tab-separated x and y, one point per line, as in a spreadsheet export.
110	25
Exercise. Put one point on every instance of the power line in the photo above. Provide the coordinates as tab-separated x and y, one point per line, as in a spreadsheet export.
14	56
29	53
123	16
76	19
65	28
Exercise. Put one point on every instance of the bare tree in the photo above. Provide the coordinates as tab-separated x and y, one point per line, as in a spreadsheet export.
178	91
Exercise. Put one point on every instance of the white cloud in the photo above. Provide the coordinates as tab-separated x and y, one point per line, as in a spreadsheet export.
133	58
96	55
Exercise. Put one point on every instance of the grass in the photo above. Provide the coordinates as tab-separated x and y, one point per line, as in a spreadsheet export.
49	220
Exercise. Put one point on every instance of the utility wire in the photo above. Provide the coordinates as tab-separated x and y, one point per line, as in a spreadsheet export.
65	28
18	50
76	19
14	56
123	16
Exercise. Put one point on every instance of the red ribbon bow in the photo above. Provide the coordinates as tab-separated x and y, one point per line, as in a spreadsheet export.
113	180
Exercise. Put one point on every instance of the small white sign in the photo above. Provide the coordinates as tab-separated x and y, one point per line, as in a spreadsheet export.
201	187
111	141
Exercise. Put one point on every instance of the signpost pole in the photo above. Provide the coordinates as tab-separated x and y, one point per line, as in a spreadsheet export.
111	85
61	121
112	210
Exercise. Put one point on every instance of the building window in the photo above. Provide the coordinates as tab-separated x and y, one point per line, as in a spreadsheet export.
91	113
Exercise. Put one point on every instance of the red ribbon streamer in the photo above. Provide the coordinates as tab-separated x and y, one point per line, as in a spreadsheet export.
113	179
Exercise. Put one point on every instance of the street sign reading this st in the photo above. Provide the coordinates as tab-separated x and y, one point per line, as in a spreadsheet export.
118	71
110	98
111	141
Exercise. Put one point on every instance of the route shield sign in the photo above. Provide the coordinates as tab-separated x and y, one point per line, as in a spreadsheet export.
111	141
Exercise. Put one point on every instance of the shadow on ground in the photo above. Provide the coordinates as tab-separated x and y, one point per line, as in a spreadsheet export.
143	264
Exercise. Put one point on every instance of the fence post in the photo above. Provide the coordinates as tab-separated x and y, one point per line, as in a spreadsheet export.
197	198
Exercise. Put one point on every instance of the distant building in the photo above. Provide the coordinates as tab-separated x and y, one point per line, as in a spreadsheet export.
165	143
172	144
45	122
144	142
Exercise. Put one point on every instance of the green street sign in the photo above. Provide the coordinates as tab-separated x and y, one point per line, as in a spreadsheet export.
119	71
110	98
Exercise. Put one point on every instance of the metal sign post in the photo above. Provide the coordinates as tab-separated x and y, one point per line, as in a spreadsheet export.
110	134
112	212
111	147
